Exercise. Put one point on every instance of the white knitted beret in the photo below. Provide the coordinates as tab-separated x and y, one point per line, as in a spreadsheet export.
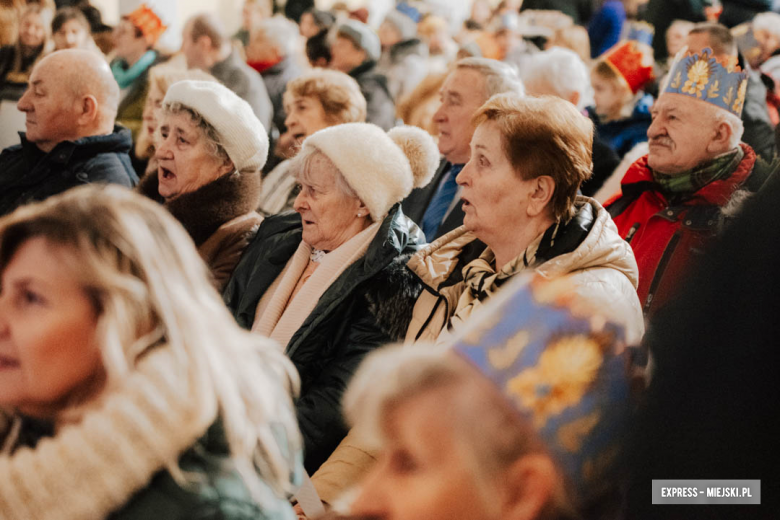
242	135
382	168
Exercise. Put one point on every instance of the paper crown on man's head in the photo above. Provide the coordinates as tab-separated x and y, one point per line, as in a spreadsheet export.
703	77
641	32
631	63
564	371
147	21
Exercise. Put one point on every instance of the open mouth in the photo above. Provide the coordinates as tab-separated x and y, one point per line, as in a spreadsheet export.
167	174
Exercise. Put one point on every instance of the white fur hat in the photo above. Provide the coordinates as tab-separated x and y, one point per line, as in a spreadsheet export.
241	134
382	168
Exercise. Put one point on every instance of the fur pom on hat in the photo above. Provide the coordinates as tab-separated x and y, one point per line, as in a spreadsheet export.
382	168
241	134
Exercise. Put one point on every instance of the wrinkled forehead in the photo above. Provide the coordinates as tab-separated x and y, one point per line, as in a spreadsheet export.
682	105
466	83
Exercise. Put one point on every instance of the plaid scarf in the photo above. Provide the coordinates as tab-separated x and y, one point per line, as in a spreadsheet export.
681	185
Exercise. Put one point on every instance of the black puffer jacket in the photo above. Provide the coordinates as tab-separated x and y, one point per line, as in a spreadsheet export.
369	305
28	174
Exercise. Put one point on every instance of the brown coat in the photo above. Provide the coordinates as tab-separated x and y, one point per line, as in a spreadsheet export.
220	217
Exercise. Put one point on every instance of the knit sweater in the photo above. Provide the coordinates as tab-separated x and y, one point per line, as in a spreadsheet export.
109	448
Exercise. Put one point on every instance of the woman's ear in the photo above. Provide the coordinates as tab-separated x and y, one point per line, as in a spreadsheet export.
527	486
362	209
227	167
542	189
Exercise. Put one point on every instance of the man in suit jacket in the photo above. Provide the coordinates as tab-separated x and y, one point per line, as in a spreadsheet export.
436	208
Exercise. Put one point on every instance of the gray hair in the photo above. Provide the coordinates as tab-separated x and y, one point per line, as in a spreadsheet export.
213	139
280	32
493	435
500	77
769	22
559	72
735	123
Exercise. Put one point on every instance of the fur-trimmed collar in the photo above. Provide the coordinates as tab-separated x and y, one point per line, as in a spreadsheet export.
204	210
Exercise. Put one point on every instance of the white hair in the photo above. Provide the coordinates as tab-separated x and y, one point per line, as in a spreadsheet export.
735	123
500	77
280	32
559	72
769	22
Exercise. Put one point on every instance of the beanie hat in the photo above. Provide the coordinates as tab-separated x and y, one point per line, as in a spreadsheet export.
241	134
385	167
405	26
362	36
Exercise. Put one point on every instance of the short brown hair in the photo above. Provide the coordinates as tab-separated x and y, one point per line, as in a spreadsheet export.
338	93
544	136
719	37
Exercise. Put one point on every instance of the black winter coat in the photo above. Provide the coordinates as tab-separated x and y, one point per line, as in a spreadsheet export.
28	174
369	305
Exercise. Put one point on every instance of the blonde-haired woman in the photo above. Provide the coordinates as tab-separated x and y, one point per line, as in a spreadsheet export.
125	387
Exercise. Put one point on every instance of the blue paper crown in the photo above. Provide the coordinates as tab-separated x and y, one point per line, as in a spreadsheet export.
641	32
566	375
703	77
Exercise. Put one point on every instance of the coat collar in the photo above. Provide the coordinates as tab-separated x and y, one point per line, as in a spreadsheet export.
716	193
204	210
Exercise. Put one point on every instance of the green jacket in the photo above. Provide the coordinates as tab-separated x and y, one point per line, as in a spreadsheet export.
216	491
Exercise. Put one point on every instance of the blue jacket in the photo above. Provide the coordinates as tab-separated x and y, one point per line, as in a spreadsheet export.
623	134
28	174
606	26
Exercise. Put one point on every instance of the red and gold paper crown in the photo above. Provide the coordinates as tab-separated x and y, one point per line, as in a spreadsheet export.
147	22
633	65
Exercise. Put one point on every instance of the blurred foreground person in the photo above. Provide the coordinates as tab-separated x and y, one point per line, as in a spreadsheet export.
209	153
694	177
716	345
124	379
318	99
524	420
330	283
71	138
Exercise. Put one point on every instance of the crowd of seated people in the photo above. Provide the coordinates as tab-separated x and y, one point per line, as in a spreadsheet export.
395	260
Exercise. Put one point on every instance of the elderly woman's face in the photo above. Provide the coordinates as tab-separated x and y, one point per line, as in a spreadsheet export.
185	160
305	115
48	349
423	470
329	216
495	198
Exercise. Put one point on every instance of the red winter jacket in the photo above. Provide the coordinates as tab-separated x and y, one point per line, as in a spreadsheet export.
665	238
